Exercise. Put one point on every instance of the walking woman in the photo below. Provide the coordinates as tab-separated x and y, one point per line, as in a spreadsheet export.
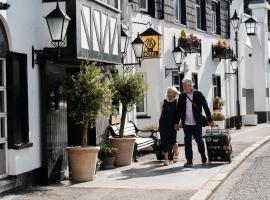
166	125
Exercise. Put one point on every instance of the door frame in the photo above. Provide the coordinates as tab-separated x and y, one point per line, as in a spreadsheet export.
4	115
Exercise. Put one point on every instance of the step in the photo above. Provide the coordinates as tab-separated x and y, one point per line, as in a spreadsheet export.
7	184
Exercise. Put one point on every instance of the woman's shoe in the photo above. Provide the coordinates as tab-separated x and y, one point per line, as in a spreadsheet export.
175	158
166	162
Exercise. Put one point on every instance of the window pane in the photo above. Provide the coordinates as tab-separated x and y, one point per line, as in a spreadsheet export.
2	102
198	12
176	80
2	73
140	106
2	127
3	159
143	4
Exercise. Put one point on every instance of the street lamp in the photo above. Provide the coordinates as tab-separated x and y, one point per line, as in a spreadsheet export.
251	26
57	22
235	21
179	55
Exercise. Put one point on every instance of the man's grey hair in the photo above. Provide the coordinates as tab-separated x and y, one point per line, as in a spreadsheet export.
187	80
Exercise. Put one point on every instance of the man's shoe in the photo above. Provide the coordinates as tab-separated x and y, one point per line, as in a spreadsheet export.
204	159
188	164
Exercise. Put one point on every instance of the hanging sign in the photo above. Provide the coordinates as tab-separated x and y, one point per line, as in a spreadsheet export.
151	39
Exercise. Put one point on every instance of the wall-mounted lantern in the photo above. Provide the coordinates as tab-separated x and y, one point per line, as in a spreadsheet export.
179	55
58	22
137	46
251	26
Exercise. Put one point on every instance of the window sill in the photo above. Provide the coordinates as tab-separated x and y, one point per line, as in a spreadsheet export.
21	146
179	23
143	117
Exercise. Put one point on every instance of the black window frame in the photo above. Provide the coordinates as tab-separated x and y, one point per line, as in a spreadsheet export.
195	81
216	11
17	103
180	77
217	79
183	13
201	4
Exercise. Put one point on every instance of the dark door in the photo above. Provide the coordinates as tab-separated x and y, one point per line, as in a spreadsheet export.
55	140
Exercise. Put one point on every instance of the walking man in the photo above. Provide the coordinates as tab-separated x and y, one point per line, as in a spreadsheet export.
189	110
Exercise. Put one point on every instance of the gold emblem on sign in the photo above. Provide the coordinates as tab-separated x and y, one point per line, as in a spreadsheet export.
151	48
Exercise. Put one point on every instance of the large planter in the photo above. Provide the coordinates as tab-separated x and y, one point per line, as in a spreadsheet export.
107	162
125	148
83	162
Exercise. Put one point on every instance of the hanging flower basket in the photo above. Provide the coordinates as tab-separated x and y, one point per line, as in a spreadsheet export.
189	42
222	50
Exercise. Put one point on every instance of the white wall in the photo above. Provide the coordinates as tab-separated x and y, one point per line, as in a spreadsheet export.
155	68
24	22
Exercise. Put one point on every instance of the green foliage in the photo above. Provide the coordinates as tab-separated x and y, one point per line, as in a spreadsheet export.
107	151
89	94
129	89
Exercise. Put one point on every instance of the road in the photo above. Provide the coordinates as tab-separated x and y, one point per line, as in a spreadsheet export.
251	181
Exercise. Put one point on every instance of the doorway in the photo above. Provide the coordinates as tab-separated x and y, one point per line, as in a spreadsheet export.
3	120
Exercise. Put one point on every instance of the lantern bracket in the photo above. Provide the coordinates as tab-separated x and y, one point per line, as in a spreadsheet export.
38	54
128	67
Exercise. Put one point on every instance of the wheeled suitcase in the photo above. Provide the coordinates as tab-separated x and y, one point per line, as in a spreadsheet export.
218	143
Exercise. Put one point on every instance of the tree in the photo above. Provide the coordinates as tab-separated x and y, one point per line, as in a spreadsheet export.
129	90
89	96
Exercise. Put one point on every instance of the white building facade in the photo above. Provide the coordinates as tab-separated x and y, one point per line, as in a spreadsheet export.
208	73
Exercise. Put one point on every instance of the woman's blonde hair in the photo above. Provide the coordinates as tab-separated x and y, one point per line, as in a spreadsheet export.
172	89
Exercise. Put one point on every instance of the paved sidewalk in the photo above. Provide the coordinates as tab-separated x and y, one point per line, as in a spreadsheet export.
149	179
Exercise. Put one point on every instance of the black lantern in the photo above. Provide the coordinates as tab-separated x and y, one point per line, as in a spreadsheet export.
234	63
179	55
124	42
235	21
138	47
58	22
251	26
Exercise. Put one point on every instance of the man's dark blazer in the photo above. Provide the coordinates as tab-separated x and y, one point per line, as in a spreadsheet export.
200	101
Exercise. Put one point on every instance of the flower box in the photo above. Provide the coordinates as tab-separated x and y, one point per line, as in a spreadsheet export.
222	50
190	43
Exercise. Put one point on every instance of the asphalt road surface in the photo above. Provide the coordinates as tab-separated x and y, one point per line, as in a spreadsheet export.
251	181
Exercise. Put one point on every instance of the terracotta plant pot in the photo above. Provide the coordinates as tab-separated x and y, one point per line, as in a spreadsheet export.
83	162
125	148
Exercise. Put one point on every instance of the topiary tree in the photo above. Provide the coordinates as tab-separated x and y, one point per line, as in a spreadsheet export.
129	90
89	96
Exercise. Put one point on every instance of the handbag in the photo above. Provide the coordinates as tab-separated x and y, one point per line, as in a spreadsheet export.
204	119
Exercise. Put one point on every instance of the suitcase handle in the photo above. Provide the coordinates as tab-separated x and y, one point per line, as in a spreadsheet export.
217	128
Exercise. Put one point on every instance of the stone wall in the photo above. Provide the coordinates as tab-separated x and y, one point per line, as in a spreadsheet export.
168	13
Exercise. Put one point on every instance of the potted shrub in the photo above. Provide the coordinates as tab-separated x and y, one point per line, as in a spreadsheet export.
107	155
89	96
219	119
129	90
218	103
